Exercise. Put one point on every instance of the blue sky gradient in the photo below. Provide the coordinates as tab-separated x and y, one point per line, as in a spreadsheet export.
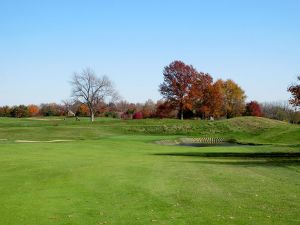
255	43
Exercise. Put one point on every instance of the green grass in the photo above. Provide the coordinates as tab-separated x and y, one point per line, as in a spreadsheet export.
113	173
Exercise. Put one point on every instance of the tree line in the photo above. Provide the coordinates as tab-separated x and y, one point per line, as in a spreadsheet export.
187	93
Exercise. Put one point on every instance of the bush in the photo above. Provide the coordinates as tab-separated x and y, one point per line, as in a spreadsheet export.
253	109
138	116
111	114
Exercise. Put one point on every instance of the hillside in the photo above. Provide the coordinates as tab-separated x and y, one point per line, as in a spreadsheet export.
243	129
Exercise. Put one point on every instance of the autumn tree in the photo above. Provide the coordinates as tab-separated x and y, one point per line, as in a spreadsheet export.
19	111
295	91
206	95
5	111
176	88
52	109
253	109
33	110
165	109
233	98
148	109
91	90
82	110
212	102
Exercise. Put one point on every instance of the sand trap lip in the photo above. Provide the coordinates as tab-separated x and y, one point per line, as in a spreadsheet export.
49	141
42	119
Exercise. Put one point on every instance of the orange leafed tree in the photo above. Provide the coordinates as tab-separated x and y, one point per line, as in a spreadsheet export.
33	110
233	98
206	96
176	87
213	100
83	110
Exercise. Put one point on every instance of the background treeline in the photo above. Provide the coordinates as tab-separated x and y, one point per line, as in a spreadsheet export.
187	93
150	109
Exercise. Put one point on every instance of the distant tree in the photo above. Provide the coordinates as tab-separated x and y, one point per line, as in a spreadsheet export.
52	109
122	106
280	111
111	107
207	96
165	109
68	105
212	102
91	90
137	116
253	109
82	110
233	98
176	88
33	110
5	111
148	109
295	91
19	111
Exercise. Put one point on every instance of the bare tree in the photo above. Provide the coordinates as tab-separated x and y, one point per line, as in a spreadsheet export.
91	90
67	104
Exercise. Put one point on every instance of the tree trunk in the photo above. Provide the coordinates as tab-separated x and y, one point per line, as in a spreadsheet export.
181	114
92	117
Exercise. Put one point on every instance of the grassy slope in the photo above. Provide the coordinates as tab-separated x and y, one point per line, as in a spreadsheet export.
113	173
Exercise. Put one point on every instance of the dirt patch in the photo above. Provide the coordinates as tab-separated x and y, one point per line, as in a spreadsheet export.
50	141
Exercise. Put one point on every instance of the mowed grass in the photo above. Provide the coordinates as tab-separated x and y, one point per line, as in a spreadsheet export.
113	173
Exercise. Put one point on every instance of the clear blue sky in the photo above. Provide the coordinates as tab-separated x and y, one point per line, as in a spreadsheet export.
254	42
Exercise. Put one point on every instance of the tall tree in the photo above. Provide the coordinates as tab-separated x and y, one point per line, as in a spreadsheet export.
91	90
201	93
295	91
212	102
177	84
233	98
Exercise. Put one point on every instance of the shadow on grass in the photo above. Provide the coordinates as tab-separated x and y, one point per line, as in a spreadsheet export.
235	154
272	162
241	158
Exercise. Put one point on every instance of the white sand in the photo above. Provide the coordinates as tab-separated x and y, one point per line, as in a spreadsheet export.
43	119
50	141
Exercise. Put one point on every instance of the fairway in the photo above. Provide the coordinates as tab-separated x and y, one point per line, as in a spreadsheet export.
55	171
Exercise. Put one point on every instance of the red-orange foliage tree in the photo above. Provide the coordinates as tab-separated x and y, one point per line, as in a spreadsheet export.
83	110
165	110
253	109
295	91
212	102
206	95
33	110
176	87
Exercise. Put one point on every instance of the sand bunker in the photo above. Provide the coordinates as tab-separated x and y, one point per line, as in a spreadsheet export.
50	141
43	119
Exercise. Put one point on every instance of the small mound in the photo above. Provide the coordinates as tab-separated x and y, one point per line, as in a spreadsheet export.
50	141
